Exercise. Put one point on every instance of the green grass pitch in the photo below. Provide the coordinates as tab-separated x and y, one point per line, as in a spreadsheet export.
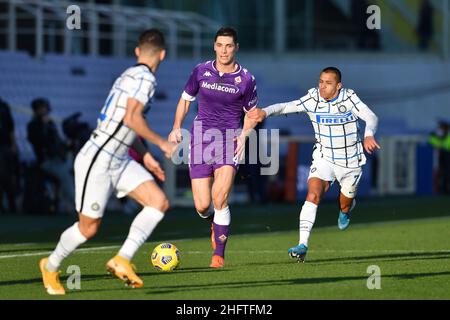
408	239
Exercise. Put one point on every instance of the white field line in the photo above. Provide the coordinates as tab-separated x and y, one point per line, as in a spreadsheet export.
43	253
394	222
93	249
83	250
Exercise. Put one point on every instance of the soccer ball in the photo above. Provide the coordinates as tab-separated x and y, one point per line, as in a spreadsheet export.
165	257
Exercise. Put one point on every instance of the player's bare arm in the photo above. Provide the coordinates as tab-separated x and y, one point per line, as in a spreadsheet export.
274	110
135	121
149	162
249	125
180	114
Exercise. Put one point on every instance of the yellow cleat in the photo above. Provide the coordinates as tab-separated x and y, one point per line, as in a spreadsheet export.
124	270
51	279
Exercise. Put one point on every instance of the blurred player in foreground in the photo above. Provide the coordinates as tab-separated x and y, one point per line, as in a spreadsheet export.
224	90
338	153
103	166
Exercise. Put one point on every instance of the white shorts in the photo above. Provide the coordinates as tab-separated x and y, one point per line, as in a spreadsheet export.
95	182
348	178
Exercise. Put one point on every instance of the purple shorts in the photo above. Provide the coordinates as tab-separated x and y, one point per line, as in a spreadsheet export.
205	158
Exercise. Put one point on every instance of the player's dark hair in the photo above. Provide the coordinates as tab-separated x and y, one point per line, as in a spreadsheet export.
40	102
227	32
152	39
334	70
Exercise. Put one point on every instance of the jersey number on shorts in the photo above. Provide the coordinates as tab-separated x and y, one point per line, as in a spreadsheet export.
356	179
105	108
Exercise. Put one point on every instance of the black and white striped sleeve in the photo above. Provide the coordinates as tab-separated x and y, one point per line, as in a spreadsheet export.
295	106
362	111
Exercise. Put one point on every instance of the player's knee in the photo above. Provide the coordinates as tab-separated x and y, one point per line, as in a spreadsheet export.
202	207
161	204
202	203
165	205
313	197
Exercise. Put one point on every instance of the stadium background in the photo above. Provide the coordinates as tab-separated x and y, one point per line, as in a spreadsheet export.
285	43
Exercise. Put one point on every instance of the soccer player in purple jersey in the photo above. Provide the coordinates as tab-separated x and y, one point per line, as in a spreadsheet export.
225	90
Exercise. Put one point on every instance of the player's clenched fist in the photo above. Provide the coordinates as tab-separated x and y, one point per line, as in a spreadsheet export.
257	115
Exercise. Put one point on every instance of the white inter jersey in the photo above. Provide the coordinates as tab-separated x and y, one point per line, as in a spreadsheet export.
335	122
112	137
103	166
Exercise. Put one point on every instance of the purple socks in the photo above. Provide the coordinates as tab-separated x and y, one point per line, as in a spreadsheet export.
221	234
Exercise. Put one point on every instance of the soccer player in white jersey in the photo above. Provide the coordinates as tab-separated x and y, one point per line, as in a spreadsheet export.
338	154
103	166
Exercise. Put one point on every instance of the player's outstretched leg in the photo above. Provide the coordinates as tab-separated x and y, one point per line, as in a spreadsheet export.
344	218
70	239
155	203
307	219
221	232
143	225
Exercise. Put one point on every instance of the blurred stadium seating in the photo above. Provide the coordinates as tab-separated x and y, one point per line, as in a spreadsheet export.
408	89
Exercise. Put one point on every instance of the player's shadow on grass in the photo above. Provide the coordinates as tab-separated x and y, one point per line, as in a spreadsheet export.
287	282
63	280
186	270
386	257
362	259
93	277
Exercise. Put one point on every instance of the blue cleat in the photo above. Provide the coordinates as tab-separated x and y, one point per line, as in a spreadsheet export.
344	218
298	252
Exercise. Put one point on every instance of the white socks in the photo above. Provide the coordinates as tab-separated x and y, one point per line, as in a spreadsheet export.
141	228
307	219
222	217
69	241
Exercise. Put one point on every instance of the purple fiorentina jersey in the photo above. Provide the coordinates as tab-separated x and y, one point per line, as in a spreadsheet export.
221	98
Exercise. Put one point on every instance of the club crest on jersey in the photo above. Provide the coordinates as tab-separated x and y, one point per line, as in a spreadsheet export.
342	109
331	119
237	80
